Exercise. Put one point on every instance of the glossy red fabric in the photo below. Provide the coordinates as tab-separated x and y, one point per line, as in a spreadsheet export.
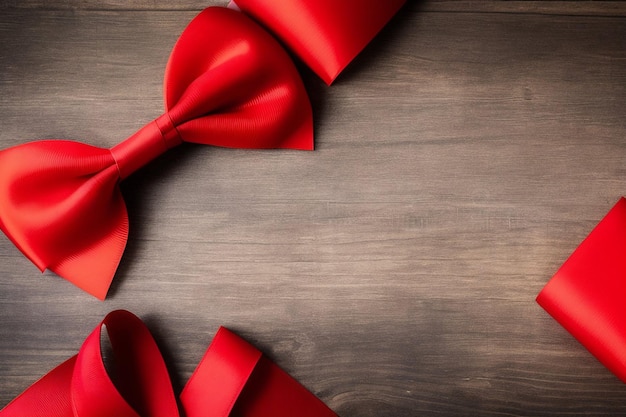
233	379
227	83
587	295
325	34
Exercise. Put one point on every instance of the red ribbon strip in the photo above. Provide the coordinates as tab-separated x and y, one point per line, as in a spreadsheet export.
227	83
586	295
232	379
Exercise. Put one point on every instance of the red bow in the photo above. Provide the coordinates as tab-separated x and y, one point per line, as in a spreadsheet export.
233	378
227	83
587	293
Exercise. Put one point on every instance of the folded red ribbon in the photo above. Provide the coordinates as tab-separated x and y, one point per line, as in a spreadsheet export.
587	295
325	34
232	379
227	83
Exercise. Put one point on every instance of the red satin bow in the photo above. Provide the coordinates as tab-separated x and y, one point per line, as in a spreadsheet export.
587	295
227	83
233	379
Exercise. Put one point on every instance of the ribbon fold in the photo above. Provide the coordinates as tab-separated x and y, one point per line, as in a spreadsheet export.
587	294
232	379
326	34
227	83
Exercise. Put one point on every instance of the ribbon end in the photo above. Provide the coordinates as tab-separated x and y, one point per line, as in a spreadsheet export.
96	283
586	295
329	78
249	384
302	146
93	269
302	138
53	390
326	34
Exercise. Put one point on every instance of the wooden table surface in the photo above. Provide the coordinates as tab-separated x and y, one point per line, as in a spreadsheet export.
459	161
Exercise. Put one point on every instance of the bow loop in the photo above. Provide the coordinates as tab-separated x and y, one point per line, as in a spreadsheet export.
62	208
228	83
136	385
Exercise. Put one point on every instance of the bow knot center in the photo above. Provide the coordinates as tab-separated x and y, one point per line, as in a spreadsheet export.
148	143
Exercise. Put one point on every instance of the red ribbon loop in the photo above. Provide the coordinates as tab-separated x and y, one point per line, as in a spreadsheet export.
226	377
233	378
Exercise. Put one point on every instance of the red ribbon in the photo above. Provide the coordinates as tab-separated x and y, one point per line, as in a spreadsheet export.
587	294
233	378
326	34
227	83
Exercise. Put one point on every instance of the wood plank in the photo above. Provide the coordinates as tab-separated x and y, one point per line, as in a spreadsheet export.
134	5
393	271
581	8
569	8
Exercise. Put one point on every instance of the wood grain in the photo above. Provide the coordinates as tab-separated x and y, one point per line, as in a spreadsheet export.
459	161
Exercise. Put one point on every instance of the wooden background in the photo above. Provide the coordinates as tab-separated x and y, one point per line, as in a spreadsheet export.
459	161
